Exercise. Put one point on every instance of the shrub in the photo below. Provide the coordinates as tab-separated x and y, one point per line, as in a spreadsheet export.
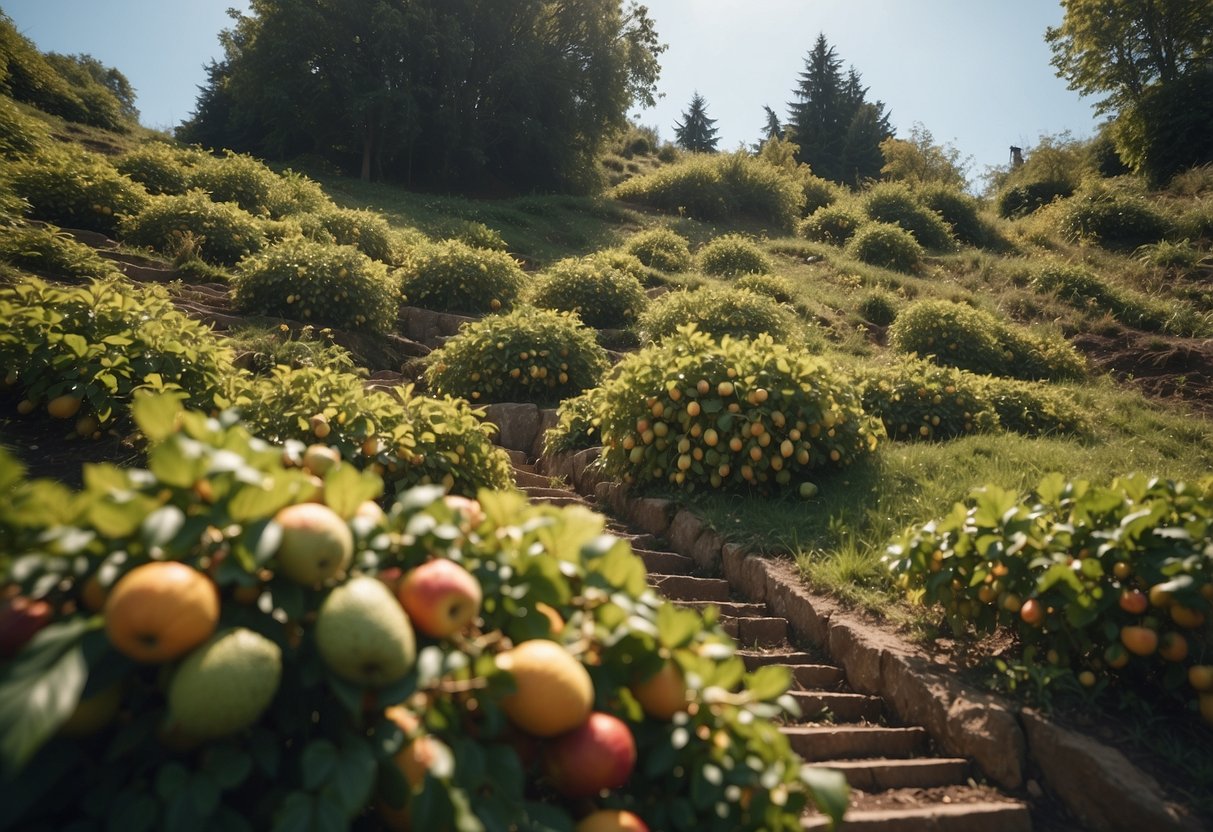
367	231
1169	255
355	744
476	235
1078	286
834	224
21	135
955	335
221	232
76	189
1196	223
327	285
237	178
896	204
661	248
408	440
50	252
261	348
1111	220
692	412
454	277
161	168
100	342
528	355
1033	409
1022	199
629	264
604	297
818	193
1080	571
293	193
731	255
918	400
776	287
959	210
879	307
576	424
887	246
738	313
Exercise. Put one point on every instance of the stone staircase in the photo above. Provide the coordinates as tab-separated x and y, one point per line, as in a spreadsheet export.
898	784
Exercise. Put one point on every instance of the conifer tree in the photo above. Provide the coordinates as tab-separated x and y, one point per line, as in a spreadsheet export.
696	132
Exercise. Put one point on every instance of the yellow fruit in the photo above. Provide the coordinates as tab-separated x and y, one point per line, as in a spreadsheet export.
724	389
1140	641
703	387
64	407
87	425
553	693
710	438
663	694
1173	647
693	409
1086	679
1187	617
1200	676
25	407
1159	597
160	611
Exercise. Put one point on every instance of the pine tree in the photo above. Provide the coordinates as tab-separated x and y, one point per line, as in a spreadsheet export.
772	129
696	132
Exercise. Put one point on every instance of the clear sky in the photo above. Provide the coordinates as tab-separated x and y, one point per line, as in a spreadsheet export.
976	73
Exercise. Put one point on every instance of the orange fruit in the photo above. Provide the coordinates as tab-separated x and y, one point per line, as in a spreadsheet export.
1032	612
611	820
554	692
1187	617
1200	676
1086	679
1122	570
1134	602
1159	597
724	389
1116	656
1173	647
1141	641
415	757
64	407
25	407
86	426
160	611
663	694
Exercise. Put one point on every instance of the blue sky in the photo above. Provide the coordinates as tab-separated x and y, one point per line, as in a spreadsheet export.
976	73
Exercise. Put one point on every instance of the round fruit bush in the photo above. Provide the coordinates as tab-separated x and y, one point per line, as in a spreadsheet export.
602	296
367	231
223	232
1097	580
1111	220
777	287
48	251
451	276
76	189
739	313
921	400
220	653
731	255
161	168
894	203
324	284
834	224
887	246
959	210
692	412
661	248
237	178
576	424
82	351
409	440
528	355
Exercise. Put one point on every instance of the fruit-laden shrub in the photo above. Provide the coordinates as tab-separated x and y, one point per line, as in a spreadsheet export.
1021	200
237	178
818	193
628	264
718	312
451	276
887	246
21	135
1034	409
1080	287
834	224
528	355
960	211
956	335
52	253
661	248
918	400
896	204
218	232
1097	580
161	168
476	235
367	231
409	440
82	351
317	676
879	307
328	285
577	424
693	412
294	194
731	255
604	297
76	189
777	287
1112	220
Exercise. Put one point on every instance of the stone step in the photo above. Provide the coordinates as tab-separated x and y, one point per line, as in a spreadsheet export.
519	459
688	588
538	492
755	659
818	676
918	773
560	502
846	742
735	609
526	479
664	563
986	816
819	706
765	631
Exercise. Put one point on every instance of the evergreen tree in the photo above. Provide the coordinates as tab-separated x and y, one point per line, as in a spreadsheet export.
772	129
696	132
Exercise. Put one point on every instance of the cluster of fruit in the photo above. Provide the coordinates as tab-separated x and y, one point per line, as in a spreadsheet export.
1095	579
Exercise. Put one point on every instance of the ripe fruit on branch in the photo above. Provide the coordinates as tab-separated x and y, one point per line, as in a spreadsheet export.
441	597
663	694
554	691
1134	602
611	820
1187	617
1173	647
316	543
363	635
225	685
599	754
64	407
1141	641
1032	612
320	459
320	426
1200	676
415	758
160	611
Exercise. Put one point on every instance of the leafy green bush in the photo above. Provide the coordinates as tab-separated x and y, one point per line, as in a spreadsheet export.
476	235
1087	574
221	232
661	248
368	231
834	224
960	211
879	307
955	335
408	440
1034	409
1022	199
776	287
896	204
53	253
577	424
237	178
293	194
887	246
629	264
76	189
322	284
1111	219
161	168
693	412
818	193
918	400
451	276
21	135
1077	285
731	255
528	355
603	297
261	348
85	350
718	312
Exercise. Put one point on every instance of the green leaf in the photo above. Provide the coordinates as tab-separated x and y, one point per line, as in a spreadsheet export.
39	693
353	776
346	488
829	791
227	765
255	501
317	764
156	415
768	682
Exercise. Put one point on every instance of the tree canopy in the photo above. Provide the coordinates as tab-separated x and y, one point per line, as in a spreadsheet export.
696	132
473	94
919	160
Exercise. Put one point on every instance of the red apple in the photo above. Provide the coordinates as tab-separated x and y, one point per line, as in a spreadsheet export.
441	597
20	619
599	755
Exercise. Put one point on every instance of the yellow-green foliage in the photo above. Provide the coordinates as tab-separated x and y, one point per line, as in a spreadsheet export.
879	307
777	287
102	341
293	193
237	178
661	248
731	255
366	230
960	211
408	439
530	354
833	224
20	134
604	297
956	335
476	235
1034	409
328	285
885	245
451	276
921	400
161	168
739	313
1111	219
1081	287
577	424
74	188
693	412
50	252
219	232
897	204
